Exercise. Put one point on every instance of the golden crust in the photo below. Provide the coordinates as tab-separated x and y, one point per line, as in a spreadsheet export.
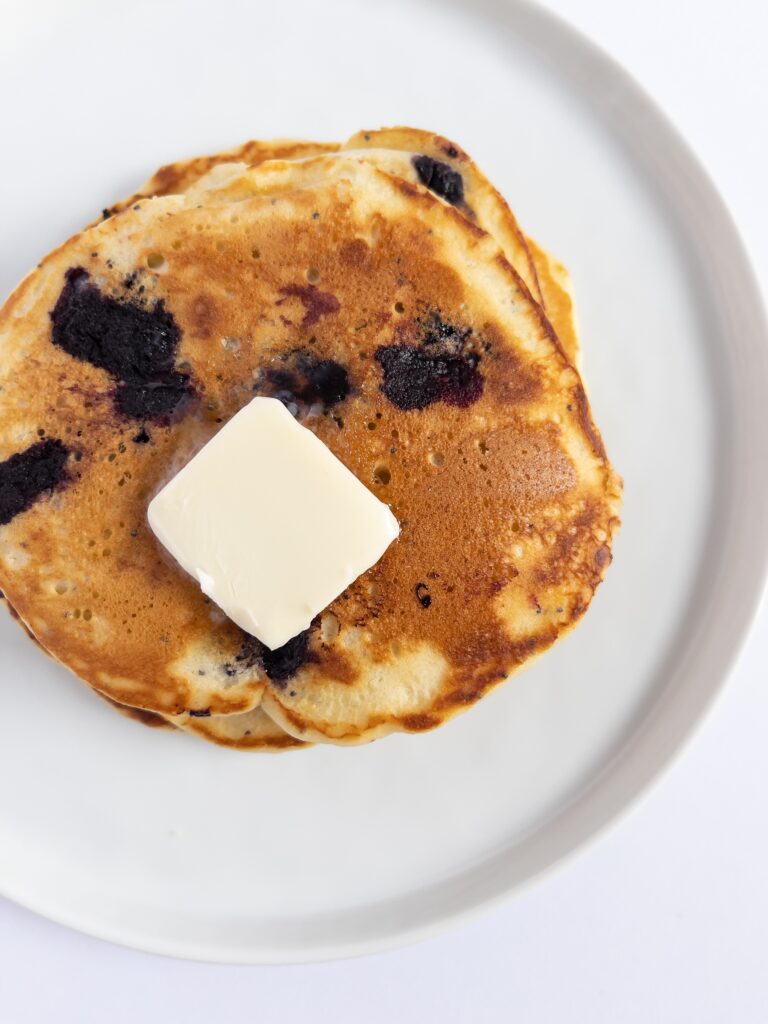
251	730
557	299
177	177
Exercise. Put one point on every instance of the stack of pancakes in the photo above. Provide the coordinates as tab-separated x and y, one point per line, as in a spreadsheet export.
383	290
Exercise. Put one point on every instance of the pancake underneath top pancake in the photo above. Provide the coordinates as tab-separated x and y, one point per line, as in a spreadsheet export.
400	335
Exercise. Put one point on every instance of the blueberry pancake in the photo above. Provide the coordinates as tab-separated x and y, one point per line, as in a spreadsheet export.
437	164
458	182
239	730
399	333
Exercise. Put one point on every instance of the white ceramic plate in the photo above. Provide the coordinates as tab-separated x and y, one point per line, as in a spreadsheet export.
164	843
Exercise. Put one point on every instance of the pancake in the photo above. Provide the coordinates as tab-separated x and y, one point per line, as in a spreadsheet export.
137	714
480	201
446	170
251	730
461	410
558	300
179	176
140	715
484	205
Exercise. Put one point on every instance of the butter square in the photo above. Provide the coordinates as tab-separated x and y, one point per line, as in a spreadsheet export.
271	524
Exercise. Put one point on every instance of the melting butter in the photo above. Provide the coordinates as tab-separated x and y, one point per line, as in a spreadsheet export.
271	524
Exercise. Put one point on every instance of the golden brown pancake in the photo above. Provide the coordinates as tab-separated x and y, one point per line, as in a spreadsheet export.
480	201
545	277
137	714
403	337
251	730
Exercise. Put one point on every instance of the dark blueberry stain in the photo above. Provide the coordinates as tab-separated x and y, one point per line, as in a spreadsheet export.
204	713
128	341
315	302
279	665
26	476
442	368
285	662
135	344
308	381
440	179
326	381
422	594
143	437
164	399
602	557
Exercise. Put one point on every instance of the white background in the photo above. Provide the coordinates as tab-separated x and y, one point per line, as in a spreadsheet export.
666	920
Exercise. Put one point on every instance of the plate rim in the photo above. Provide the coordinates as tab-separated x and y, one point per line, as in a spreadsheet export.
620	787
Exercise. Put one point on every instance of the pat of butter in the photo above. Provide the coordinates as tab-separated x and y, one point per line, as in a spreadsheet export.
271	524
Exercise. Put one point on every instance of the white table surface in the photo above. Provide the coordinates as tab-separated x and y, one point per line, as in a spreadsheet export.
666	919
